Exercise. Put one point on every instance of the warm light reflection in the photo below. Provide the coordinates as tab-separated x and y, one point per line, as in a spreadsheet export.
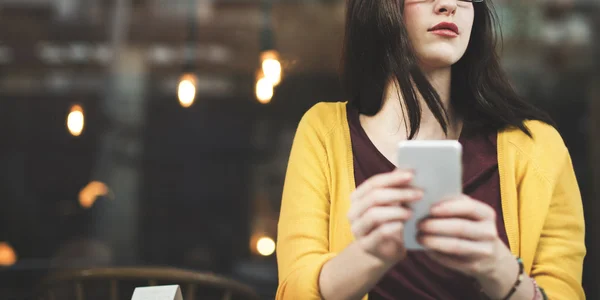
8	256
90	193
271	66
76	120
264	90
186	90
265	246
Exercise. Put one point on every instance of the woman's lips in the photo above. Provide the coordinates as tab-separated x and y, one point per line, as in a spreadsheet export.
445	29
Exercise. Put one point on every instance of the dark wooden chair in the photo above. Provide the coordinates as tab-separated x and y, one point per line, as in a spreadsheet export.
119	284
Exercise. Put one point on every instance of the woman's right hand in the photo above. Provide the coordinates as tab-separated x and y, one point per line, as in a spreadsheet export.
378	212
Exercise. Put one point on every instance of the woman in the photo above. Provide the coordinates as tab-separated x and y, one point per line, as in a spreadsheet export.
427	69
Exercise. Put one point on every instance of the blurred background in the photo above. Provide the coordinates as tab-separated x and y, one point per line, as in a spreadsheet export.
156	133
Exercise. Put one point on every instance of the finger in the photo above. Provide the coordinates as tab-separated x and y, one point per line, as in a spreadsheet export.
390	179
376	216
459	228
455	246
383	197
463	207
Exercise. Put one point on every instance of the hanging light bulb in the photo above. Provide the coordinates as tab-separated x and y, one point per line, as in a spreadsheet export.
271	66
262	244
76	120
186	90
8	256
264	89
265	246
90	193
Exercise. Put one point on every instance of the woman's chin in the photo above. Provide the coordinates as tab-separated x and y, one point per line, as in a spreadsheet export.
431	63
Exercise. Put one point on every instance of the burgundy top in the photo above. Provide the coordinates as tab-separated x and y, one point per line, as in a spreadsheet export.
418	276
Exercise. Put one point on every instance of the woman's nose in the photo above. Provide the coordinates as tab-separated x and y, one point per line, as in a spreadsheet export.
447	7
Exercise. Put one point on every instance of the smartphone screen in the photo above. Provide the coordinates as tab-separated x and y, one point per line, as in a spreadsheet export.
437	165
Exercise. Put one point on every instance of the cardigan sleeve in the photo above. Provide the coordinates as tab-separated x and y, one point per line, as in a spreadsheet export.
303	228
558	264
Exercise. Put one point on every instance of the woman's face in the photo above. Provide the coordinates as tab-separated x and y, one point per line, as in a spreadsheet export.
439	30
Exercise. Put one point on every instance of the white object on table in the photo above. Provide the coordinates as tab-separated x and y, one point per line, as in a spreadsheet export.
165	292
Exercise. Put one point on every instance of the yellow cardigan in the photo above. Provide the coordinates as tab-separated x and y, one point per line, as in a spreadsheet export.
541	204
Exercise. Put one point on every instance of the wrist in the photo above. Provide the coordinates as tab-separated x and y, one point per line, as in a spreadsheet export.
377	264
387	264
500	279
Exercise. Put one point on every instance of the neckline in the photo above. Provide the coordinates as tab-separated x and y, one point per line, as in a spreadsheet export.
355	119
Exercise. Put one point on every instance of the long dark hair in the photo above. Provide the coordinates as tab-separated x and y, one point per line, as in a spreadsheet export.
377	49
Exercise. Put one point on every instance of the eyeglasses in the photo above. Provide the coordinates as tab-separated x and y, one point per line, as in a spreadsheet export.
474	1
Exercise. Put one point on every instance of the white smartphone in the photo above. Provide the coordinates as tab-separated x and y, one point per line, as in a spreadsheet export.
437	165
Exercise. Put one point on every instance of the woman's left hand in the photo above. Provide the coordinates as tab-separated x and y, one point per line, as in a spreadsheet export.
462	235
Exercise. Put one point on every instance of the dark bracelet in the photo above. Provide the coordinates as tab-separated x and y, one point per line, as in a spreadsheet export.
519	280
538	289
544	296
